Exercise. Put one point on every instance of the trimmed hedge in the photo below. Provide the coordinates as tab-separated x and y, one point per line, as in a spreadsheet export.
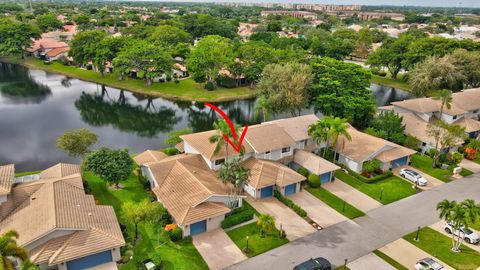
367	180
297	209
238	216
171	151
303	171
175	234
313	180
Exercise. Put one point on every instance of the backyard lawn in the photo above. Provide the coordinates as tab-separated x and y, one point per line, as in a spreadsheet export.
389	260
26	173
256	244
153	240
394	188
186	89
424	164
439	246
335	202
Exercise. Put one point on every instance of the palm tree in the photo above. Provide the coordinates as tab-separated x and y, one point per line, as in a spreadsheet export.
319	132
459	215
445	97
223	129
266	223
234	173
338	127
9	248
263	107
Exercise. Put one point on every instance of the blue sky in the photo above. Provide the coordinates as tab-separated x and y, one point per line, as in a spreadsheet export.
436	3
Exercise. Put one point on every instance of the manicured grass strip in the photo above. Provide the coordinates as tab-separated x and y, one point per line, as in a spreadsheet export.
186	89
394	188
424	163
153	241
439	246
256	244
335	202
465	172
389	260
394	83
26	173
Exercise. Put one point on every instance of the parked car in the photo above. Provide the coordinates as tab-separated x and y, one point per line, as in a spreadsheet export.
314	264
413	176
468	235
428	264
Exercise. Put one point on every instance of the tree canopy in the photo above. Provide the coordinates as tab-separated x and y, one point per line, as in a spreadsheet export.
15	37
84	45
77	142
110	165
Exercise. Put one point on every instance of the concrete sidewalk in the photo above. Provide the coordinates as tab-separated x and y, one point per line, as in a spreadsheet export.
407	254
317	210
351	195
470	165
217	249
370	261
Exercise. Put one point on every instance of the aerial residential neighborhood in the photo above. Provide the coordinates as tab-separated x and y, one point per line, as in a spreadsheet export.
239	135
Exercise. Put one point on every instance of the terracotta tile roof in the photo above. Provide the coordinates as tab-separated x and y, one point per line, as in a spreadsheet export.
60	204
7	173
180	67
60	170
180	147
469	124
149	156
268	137
422	105
297	127
266	173
364	147
200	141
313	163
183	184
468	100
46	43
57	51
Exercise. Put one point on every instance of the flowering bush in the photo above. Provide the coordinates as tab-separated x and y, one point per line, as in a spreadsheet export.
170	227
471	153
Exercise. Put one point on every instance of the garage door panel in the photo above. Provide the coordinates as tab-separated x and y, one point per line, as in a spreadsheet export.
290	189
266	192
199	227
325	178
399	162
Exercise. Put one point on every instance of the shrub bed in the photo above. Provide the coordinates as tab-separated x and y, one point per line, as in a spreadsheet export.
362	178
237	216
297	209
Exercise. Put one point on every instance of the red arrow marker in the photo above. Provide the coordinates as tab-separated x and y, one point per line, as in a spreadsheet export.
232	128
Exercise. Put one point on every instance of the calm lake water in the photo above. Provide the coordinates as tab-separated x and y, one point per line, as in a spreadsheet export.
36	107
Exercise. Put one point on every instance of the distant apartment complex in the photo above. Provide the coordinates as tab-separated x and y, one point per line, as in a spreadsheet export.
368	16
296	14
315	7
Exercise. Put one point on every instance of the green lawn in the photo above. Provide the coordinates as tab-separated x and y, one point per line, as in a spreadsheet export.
424	164
335	202
256	244
395	83
439	246
389	260
153	240
26	173
477	159
186	89
394	188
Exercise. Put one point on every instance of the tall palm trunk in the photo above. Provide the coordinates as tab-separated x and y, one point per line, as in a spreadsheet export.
437	154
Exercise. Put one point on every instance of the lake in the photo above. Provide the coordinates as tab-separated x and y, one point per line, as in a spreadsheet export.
36	107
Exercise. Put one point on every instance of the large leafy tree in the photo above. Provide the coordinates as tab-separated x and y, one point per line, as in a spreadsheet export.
337	45
77	142
139	212
285	86
445	136
435	73
167	35
364	42
468	63
84	45
254	56
15	37
201	25
341	89
460	215
9	248
48	22
108	49
110	165
389	126
211	54
148	60
445	97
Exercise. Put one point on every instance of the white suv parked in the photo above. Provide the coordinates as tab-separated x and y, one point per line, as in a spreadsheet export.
468	235
413	176
428	264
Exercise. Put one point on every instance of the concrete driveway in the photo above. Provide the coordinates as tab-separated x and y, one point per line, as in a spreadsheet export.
217	249
317	210
470	165
407	254
431	181
370	261
351	195
439	227
294	226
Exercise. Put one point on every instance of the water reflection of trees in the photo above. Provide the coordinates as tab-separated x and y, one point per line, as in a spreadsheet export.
17	85
145	121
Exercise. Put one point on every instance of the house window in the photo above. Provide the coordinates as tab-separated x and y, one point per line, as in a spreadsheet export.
285	150
219	161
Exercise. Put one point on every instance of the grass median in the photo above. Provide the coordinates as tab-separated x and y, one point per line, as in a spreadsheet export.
335	202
